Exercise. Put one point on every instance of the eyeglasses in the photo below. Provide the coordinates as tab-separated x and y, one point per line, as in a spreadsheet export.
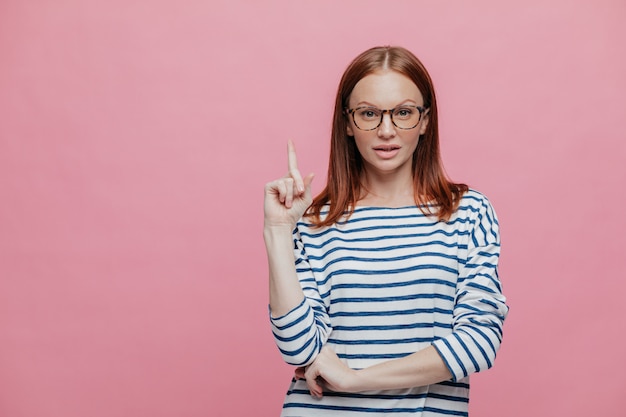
403	117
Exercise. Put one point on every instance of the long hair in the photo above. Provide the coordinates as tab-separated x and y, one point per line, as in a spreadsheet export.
434	193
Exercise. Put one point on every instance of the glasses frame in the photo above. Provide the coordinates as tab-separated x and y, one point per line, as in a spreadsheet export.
421	110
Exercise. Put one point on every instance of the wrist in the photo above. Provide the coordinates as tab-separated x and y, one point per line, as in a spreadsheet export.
351	381
278	240
277	230
358	381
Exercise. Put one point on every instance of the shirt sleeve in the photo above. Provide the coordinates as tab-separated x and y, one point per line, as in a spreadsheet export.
480	307
301	333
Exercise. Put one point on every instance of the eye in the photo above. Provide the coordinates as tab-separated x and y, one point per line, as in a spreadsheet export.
369	113
404	112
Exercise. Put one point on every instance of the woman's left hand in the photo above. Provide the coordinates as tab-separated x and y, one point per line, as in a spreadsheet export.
327	371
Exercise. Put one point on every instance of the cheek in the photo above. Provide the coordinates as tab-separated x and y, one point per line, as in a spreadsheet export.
360	142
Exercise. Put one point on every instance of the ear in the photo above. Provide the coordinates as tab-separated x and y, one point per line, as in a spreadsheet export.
424	123
349	130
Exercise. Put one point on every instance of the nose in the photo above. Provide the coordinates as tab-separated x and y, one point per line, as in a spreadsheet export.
386	128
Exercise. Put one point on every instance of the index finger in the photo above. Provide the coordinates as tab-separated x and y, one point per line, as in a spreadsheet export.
292	163
291	157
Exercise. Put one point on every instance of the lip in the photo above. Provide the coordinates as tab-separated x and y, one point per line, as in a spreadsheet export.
386	151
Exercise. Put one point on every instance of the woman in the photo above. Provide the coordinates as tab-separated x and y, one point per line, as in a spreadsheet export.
384	289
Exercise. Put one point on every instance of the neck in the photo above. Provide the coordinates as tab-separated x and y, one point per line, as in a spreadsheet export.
387	190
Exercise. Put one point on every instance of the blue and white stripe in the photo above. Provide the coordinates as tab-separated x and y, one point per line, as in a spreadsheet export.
386	283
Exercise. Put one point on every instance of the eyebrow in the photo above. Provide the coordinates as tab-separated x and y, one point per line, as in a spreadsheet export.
368	104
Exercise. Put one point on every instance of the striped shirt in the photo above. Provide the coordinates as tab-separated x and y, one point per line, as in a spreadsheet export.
388	282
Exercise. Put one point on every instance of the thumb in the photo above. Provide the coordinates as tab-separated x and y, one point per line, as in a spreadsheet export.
299	373
307	183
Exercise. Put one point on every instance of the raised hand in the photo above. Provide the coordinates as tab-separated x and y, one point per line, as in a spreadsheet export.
287	198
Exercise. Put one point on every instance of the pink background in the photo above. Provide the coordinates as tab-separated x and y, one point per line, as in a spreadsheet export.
135	140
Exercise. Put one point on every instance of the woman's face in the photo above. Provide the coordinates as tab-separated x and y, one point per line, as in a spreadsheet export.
387	149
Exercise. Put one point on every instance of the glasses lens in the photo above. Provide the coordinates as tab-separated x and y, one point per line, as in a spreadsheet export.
367	118
406	117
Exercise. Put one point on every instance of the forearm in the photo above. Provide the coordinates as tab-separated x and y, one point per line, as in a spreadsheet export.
285	292
418	369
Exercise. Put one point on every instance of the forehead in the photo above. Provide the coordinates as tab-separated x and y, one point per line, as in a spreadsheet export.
385	89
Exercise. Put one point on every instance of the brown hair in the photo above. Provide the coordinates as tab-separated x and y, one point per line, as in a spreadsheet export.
434	193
